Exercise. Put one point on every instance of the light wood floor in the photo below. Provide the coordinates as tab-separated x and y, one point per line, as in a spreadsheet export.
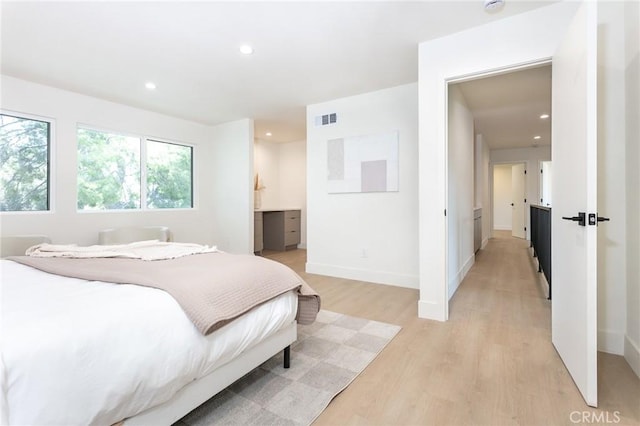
492	363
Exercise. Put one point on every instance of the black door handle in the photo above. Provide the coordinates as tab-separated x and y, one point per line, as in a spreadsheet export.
594	219
580	218
511	204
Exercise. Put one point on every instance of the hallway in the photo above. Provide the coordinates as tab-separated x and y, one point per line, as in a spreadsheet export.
504	285
504	290
491	363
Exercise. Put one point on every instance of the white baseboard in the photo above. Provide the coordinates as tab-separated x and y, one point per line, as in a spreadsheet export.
454	282
611	342
502	228
302	246
431	310
632	354
378	277
484	243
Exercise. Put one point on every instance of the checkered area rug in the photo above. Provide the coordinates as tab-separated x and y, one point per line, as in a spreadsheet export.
325	359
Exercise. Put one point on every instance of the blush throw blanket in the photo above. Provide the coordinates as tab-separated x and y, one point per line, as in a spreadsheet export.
212	288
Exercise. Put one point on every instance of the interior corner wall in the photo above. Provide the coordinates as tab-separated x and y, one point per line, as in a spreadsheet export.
232	186
514	41
267	164
460	189
282	168
64	224
632	127
292	181
365	236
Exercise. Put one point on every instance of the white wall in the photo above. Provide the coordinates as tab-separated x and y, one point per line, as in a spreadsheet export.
266	163
531	157
502	210
516	40
293	181
232	186
460	189
611	178
63	224
282	168
365	236
632	127
482	185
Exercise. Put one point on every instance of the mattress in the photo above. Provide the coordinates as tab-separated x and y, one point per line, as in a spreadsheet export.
89	352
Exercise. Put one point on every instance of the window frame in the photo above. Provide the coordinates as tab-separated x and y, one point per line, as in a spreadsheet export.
144	139
51	162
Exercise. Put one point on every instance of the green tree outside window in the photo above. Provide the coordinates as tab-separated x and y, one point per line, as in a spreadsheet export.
24	164
109	172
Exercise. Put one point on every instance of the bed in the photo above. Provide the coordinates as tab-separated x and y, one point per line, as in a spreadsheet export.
78	351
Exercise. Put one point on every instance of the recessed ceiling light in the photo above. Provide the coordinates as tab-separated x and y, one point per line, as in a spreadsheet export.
150	85
245	49
268	133
536	137
543	116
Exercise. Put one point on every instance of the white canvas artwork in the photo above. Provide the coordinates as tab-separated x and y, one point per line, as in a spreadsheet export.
363	163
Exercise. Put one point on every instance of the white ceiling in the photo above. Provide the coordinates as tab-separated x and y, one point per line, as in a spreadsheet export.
306	52
507	107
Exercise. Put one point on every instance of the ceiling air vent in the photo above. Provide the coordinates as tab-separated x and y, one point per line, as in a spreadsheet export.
325	120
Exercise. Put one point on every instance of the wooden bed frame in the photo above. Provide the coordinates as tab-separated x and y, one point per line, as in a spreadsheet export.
199	391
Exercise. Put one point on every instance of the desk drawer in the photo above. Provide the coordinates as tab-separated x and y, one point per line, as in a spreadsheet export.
291	223
292	238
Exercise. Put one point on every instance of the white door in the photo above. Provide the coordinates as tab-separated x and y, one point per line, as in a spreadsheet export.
574	247
518	182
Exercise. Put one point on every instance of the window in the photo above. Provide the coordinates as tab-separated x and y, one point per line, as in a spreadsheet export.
169	175
24	163
111	166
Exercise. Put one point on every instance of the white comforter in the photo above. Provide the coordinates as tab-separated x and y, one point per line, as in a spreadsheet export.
79	352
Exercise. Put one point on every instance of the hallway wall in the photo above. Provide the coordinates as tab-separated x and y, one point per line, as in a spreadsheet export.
502	197
482	197
460	189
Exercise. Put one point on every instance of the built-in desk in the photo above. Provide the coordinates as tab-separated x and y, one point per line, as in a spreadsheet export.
276	229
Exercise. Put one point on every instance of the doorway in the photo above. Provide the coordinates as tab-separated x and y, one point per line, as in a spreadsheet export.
498	127
570	38
509	182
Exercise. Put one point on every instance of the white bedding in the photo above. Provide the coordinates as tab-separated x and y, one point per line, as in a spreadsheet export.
144	250
78	352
